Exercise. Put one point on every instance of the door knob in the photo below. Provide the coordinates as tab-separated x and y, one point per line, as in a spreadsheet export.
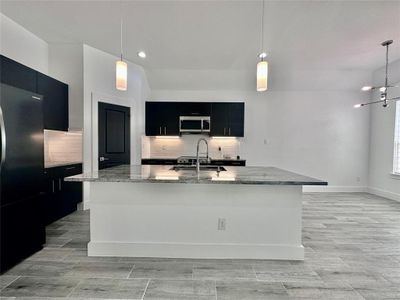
102	158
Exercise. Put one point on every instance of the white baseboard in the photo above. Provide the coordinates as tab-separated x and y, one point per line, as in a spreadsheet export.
86	205
196	250
383	193
334	189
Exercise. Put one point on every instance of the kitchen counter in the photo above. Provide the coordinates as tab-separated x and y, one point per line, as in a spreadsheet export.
164	174
153	211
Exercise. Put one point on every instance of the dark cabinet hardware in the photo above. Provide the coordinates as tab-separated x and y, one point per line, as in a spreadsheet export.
52	186
59	184
70	168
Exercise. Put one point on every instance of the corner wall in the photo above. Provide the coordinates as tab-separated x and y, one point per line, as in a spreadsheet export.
381	182
23	46
99	84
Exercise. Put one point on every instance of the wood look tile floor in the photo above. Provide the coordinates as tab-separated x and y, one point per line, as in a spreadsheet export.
352	244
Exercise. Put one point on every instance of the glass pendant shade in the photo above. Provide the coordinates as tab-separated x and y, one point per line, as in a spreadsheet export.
262	76
121	75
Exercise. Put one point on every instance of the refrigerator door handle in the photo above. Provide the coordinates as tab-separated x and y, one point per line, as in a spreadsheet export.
3	138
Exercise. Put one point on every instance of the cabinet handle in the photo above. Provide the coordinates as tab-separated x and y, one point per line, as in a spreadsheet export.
229	131
59	184
52	186
165	130
224	131
160	130
70	168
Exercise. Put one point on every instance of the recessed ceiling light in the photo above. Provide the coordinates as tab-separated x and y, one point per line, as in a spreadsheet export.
141	54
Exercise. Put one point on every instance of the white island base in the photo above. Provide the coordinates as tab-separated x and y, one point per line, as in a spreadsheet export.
180	220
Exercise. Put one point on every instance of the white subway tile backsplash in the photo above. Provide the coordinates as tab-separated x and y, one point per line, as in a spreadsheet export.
164	147
60	146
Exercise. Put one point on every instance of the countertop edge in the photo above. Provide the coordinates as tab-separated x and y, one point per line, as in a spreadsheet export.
255	182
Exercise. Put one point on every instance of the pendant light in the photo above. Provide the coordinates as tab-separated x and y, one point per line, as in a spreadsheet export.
382	89
121	68
262	66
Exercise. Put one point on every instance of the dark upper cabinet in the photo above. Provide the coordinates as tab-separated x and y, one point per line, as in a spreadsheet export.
236	119
227	119
194	108
54	92
219	119
162	118
55	102
17	75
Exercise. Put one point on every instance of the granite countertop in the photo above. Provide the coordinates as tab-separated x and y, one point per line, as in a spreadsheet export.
53	164
164	174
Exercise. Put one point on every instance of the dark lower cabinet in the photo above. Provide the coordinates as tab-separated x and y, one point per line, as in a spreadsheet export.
22	230
61	197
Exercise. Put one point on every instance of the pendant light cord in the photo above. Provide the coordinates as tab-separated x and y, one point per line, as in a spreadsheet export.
262	27
387	65
121	24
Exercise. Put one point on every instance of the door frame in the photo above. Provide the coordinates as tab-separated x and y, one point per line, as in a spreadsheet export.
96	98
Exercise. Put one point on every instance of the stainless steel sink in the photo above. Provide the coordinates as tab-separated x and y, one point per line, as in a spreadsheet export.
202	168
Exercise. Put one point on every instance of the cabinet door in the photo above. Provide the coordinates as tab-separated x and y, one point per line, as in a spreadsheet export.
55	102
219	119
51	203
170	118
236	119
162	118
153	119
17	75
194	108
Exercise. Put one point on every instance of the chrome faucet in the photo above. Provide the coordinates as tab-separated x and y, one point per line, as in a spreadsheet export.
197	154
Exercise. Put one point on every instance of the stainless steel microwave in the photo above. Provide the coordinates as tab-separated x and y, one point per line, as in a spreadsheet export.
194	124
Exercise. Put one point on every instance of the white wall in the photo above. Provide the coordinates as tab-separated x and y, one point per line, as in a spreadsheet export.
381	181
23	46
316	133
99	85
66	65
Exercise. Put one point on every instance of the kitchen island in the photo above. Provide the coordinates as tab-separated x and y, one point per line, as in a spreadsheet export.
158	211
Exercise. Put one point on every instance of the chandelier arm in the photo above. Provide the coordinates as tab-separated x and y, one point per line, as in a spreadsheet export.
394	99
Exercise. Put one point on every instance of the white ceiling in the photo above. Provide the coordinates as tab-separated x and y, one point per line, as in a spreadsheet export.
222	35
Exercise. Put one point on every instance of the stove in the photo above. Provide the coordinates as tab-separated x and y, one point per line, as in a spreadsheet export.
191	160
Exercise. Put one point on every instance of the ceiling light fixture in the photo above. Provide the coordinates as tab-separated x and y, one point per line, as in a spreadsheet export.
121	68
382	89
262	66
142	54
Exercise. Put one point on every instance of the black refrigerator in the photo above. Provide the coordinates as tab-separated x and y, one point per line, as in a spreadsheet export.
21	171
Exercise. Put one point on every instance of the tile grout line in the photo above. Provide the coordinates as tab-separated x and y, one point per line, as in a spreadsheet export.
145	289
74	288
18	276
130	272
216	293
